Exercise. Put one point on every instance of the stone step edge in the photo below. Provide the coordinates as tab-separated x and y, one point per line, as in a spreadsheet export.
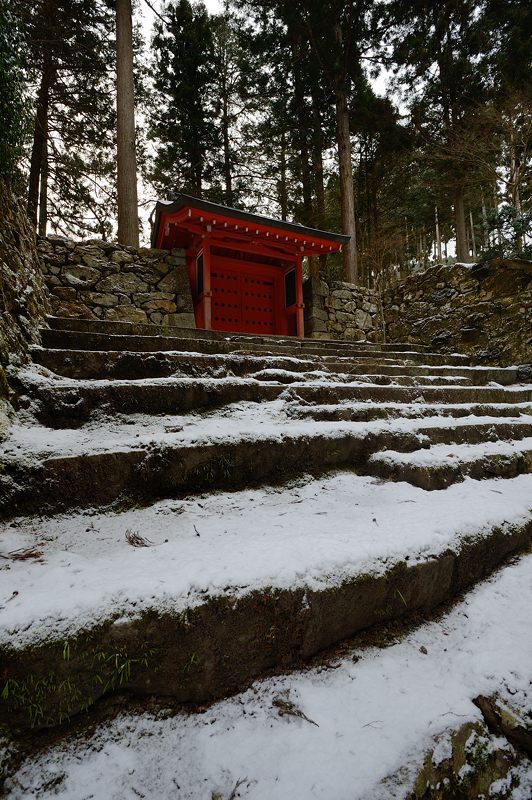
130	328
165	364
441	474
219	647
134	476
70	404
82	340
362	412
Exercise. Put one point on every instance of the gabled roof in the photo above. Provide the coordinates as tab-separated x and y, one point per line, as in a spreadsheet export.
188	210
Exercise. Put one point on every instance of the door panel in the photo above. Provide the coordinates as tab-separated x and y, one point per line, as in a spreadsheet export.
226	301
258	304
243	298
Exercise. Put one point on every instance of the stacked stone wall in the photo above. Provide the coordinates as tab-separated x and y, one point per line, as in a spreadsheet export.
484	310
23	296
341	311
102	280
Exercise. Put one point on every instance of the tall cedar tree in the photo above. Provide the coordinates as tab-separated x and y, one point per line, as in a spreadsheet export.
440	48
12	106
274	145
234	105
126	146
183	116
336	32
70	60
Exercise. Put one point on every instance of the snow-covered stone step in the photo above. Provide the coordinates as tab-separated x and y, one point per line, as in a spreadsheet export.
96	364
140	329
289	376
112	461
74	340
325	393
377	713
367	411
442	464
62	402
194	598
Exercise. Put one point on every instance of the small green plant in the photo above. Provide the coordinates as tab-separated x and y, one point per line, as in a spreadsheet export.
477	753
54	697
191	663
402	597
66	651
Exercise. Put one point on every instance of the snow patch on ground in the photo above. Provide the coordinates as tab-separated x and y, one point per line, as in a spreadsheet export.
234	422
376	712
453	454
313	534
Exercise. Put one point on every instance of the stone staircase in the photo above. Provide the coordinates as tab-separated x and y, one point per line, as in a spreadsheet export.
187	510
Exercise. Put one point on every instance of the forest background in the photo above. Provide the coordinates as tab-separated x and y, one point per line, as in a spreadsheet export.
271	106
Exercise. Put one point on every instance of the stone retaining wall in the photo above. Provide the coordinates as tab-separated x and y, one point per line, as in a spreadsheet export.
102	280
481	309
484	309
23	296
341	311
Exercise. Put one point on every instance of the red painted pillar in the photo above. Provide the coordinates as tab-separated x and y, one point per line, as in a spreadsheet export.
300	320
207	294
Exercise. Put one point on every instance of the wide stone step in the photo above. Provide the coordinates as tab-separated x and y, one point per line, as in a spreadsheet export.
130	471
358	697
442	465
366	412
289	377
123	365
419	394
63	403
192	600
73	340
139	329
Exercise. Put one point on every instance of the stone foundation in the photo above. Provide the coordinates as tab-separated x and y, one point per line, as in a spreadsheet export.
484	310
341	311
102	280
23	296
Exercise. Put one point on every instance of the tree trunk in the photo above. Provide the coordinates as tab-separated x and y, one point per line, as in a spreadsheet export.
462	251
485	229
515	170
347	192
319	181
473	240
128	219
282	191
317	164
227	150
496	207
438	237
43	193
300	132
40	134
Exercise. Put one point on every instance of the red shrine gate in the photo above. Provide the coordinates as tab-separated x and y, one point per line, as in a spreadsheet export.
245	270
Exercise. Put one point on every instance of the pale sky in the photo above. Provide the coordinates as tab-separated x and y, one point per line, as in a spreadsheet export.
146	14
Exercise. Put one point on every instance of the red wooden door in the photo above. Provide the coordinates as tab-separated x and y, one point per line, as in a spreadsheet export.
226	299
244	298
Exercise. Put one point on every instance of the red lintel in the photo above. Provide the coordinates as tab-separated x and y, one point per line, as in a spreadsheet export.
192	221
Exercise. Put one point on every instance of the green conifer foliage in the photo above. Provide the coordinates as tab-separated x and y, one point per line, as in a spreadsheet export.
70	63
182	112
12	113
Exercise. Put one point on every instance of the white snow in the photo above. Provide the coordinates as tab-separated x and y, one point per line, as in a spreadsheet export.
377	713
439	454
237	421
312	534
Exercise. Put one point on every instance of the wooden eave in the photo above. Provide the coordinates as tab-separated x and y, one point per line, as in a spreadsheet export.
186	219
